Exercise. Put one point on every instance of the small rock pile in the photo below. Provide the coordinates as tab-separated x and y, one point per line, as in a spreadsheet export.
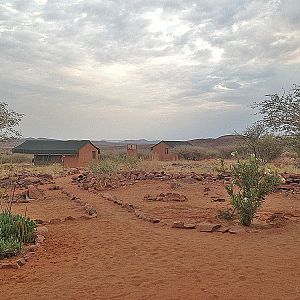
89	181
24	179
292	182
166	197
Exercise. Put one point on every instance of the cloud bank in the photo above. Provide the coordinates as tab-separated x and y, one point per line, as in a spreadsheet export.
175	69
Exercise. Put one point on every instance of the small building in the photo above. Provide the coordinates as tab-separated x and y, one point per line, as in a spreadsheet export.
164	150
132	150
70	154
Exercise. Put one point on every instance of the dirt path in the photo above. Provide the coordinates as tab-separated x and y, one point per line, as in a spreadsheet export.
117	256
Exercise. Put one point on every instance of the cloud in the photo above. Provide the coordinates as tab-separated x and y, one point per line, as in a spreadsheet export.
127	66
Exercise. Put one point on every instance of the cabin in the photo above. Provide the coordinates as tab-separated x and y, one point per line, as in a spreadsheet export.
164	150
132	150
70	154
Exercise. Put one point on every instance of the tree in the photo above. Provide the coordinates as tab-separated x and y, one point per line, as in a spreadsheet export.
9	119
264	145
282	113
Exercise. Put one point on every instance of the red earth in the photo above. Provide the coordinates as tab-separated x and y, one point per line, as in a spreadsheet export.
118	256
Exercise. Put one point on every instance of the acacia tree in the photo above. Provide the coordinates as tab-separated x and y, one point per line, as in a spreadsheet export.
282	113
264	145
9	119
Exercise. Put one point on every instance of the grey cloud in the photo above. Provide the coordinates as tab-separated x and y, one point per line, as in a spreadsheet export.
101	54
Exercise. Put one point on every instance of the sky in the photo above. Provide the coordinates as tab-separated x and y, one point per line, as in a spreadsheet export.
172	69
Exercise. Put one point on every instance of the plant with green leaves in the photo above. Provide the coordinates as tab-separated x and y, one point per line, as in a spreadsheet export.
249	187
15	230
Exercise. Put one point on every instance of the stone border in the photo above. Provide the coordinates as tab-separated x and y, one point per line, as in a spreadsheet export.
201	227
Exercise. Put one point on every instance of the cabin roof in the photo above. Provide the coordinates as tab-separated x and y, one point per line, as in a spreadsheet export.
54	147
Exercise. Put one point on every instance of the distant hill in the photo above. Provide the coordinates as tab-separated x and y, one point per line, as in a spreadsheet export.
222	141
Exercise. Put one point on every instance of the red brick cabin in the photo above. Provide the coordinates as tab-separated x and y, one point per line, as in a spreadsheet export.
164	150
70	154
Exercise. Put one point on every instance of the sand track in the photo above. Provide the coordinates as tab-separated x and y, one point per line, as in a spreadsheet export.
117	256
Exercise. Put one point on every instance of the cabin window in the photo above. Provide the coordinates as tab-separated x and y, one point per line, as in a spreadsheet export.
93	154
166	150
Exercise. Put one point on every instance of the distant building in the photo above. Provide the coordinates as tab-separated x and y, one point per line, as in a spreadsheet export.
70	154
132	150
164	150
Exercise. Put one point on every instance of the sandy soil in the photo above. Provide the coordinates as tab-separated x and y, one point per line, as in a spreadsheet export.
117	256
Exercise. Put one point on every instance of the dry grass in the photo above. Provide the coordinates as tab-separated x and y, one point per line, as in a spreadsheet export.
6	169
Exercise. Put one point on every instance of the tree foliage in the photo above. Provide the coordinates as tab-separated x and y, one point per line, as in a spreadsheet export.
9	119
281	113
264	145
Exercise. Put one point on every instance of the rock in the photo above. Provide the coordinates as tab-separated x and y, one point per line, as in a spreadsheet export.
189	226
189	180
9	266
223	229
32	248
91	210
206	189
208	227
154	220
42	230
69	218
55	221
34	192
39	239
218	200
235	230
177	224
21	262
38	221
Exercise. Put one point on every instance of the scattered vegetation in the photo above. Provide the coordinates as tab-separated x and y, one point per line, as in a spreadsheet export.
9	119
249	187
15	158
264	145
15	230
281	115
104	168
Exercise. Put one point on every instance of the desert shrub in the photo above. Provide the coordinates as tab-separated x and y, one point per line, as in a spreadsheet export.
262	144
104	167
15	158
221	168
15	230
9	248
249	187
129	162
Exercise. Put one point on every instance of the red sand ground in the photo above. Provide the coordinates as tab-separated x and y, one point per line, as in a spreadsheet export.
117	256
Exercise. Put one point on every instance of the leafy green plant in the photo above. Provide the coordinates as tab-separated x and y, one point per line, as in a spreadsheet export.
9	248
249	187
15	230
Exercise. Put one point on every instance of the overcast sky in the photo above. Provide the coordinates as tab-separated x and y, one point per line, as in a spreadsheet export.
173	69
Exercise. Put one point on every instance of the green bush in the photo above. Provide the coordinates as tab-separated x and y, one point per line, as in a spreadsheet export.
9	248
249	187
104	167
15	230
